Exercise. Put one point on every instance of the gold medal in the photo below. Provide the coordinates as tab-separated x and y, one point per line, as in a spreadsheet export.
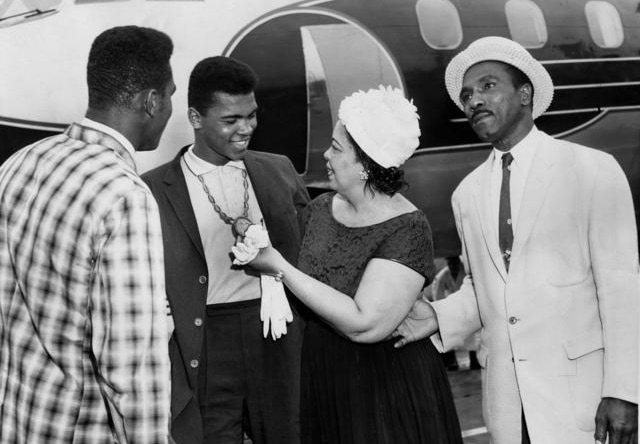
240	225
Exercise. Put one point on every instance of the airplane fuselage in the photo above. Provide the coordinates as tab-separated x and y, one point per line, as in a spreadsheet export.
309	55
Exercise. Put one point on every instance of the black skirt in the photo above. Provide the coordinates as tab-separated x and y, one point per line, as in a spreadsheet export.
373	393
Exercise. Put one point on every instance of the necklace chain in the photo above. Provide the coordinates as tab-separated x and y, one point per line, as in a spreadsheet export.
224	216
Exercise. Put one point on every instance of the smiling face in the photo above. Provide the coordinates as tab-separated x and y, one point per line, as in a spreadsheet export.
343	167
498	111
223	133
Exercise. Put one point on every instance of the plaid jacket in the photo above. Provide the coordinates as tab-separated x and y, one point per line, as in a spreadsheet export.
82	301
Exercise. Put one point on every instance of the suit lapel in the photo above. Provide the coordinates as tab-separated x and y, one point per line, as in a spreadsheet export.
272	198
178	196
535	191
482	197
262	188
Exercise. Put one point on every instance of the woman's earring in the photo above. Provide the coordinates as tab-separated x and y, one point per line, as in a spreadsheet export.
364	175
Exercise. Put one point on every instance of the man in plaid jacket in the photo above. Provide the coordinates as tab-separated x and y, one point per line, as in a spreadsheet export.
83	322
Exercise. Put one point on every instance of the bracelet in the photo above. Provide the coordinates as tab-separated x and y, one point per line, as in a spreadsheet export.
279	276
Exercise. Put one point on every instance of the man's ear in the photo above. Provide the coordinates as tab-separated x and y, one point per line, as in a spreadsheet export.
194	118
151	102
526	94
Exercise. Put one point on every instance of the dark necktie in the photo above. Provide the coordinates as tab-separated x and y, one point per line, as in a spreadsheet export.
505	230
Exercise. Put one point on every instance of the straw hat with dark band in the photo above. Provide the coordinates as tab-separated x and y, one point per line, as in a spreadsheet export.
503	50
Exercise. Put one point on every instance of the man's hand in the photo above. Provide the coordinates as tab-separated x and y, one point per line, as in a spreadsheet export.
618	419
421	322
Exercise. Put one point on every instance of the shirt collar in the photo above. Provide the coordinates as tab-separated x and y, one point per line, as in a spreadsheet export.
200	166
110	131
522	151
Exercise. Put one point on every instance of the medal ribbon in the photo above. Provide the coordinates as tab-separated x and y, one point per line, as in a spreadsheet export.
240	224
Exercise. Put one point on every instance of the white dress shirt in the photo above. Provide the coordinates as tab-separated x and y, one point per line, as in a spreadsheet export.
522	153
225	184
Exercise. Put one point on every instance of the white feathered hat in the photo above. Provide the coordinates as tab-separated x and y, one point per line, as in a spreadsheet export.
500	49
383	123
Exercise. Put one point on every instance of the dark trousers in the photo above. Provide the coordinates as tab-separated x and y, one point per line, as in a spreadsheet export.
248	383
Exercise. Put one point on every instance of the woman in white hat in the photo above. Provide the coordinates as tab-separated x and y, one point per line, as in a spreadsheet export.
366	253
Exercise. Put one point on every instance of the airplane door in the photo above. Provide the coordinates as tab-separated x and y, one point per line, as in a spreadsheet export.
308	60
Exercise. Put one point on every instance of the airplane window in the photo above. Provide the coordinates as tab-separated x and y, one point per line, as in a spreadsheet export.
604	24
526	23
439	23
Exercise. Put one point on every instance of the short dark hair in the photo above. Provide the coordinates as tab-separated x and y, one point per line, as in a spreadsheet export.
384	180
124	61
219	74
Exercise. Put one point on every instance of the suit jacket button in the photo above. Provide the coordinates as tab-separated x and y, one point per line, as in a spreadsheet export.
197	322
513	320
194	363
202	279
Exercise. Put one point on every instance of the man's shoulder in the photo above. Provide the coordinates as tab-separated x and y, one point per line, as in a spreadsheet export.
93	164
580	157
80	175
264	156
158	173
274	166
31	162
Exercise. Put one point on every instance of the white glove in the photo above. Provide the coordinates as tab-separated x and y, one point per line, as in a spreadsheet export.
243	254
265	305
274	306
280	309
246	250
274	309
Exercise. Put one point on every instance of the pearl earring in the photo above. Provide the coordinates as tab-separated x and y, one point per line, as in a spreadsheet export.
364	175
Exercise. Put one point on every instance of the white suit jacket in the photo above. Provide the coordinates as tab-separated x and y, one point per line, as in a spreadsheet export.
560	329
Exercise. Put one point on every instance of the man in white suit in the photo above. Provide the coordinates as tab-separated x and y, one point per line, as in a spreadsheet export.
549	240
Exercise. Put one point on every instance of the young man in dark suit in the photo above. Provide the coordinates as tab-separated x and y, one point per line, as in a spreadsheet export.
227	379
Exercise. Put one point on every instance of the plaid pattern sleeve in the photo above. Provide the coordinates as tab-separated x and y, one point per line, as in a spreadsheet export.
83	324
129	329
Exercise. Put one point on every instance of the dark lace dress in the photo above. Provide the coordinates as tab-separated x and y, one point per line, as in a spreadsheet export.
369	393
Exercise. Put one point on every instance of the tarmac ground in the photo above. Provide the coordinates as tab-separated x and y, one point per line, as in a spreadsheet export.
465	385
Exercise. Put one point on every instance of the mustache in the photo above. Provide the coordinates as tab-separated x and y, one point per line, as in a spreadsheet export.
479	113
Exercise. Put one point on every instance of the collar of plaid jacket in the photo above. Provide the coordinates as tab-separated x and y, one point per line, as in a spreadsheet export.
93	136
